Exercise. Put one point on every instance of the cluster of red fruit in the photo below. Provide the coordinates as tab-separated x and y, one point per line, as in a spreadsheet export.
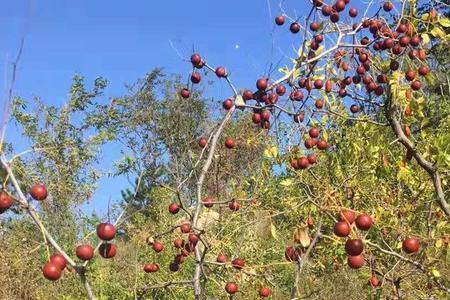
52	270
185	247
305	161
353	247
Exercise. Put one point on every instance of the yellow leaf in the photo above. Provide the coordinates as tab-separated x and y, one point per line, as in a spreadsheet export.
273	231
286	182
445	22
435	273
438	243
437	32
271	152
425	38
284	70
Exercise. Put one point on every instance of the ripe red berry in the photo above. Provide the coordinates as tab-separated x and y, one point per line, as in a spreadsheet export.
221	258
314	132
196	59
295	27
347	216
279	20
355	262
5	202
174	208
106	231
411	245
84	252
178	243
51	271
247	95
354	247
107	250
354	108
59	260
151	268
353	12
208	202
184	93
262	84
364	222
157	246
185	228
231	288
196	77
342	229
227	104
39	192
234	205
388	6
238	263
291	254
265	292
303	163
202	142
280	90
221	72
230	143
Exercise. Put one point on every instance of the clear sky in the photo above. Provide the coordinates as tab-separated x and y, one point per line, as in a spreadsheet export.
123	40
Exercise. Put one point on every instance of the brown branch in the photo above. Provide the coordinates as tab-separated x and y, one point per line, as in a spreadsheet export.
392	113
418	265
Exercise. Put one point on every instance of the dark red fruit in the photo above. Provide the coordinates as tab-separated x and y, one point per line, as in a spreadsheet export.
202	142
174	208
314	132
354	247
227	104
5	201
291	254
84	252
158	246
280	90
312	158
279	20
59	260
298	118
262	84
303	163
222	258
238	263
221	72
185	228
39	192
355	262
295	27
51	271
354	108
230	143
231	288
347	216
342	229
247	95
107	250
196	59
185	93
106	231
151	268
208	202
265	292
178	243
322	145
411	245
196	77
234	205
353	12
364	222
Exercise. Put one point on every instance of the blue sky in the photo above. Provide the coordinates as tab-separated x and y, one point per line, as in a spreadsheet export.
122	40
